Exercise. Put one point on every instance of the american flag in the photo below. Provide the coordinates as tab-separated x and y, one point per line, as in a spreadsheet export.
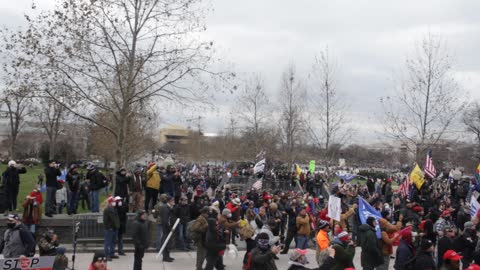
405	188
429	167
257	185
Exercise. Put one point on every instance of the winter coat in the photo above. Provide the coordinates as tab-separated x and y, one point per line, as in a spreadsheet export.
303	225
73	181
444	244
167	184
140	233
51	174
466	244
153	178
343	255
32	213
121	185
214	239
111	221
404	253
166	216
11	180
424	261
263	260
387	243
371	255
97	180
122	217
182	212
17	241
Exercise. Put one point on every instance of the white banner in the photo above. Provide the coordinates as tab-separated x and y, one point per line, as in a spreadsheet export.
259	167
334	208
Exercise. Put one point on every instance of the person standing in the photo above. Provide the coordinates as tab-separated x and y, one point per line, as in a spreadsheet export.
111	224
168	187
166	215
97	182
17	239
445	243
425	256
371	255
122	210
136	189
140	238
198	232
122	179
303	229
323	242
182	211
11	180
73	189
152	186
215	245
344	251
263	255
32	212
51	174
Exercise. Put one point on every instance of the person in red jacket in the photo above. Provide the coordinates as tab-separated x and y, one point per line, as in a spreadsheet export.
234	207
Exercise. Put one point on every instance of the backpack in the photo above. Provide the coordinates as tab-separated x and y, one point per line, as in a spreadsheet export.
192	234
246	231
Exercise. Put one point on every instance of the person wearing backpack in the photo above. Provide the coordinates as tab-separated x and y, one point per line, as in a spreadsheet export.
197	231
17	240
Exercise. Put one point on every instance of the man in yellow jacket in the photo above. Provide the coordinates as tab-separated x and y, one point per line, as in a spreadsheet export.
152	186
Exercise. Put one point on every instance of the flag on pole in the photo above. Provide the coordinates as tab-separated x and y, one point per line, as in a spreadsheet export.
347	176
259	167
194	169
474	205
365	210
416	177
405	188
261	155
258	184
298	170
311	166
429	167
477	174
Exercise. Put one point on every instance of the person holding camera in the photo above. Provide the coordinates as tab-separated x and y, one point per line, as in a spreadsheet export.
51	174
97	182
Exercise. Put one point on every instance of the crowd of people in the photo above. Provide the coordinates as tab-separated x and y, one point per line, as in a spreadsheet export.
433	227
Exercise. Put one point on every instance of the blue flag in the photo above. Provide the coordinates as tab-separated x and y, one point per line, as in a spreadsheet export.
365	210
347	176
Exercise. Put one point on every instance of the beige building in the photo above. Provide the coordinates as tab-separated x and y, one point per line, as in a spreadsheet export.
174	134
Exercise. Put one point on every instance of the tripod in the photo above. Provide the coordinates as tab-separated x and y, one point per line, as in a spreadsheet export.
75	236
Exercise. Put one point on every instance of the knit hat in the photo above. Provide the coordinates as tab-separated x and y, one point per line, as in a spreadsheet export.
451	255
468	225
426	244
236	201
323	224
344	236
226	212
99	256
297	253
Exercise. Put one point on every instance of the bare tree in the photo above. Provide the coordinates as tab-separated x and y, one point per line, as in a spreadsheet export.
16	107
115	55
253	108
426	101
292	102
471	119
329	107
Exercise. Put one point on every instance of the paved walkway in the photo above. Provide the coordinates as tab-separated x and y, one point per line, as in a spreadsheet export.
186	261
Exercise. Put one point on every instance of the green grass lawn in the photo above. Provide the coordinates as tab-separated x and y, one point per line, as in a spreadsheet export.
28	182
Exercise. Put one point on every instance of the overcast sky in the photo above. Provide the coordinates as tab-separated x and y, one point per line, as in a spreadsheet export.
369	40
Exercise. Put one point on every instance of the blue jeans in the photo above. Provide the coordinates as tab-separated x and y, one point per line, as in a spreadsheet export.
109	245
182	240
72	202
160	236
94	201
302	242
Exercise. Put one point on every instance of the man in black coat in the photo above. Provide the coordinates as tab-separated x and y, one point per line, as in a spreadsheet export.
140	238
445	243
424	259
97	182
122	182
73	187
11	180
167	186
51	174
182	211
166	216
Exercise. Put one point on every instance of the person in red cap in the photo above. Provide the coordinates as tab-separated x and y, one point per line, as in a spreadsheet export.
451	260
442	222
111	223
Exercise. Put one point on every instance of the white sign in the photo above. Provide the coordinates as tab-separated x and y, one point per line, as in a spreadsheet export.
26	263
334	208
